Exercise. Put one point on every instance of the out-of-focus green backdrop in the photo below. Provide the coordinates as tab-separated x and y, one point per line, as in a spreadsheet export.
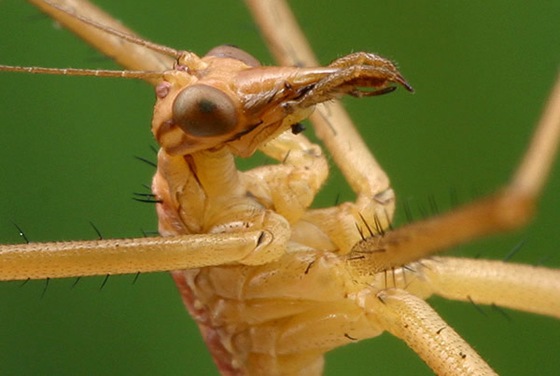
481	71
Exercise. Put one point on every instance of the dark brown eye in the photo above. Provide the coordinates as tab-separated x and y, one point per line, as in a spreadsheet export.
233	52
204	111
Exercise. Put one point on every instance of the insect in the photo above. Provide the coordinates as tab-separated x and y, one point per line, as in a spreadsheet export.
392	111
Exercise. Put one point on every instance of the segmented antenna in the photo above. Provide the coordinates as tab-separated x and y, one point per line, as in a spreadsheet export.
109	30
83	72
100	72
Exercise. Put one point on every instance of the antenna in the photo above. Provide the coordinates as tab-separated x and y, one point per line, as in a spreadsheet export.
109	30
83	72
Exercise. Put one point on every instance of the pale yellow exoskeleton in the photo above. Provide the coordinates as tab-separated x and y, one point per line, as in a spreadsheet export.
282	284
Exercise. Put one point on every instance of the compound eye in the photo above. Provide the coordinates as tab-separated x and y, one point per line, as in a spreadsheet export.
204	111
233	52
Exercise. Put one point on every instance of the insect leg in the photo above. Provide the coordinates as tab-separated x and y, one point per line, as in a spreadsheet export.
414	321
523	287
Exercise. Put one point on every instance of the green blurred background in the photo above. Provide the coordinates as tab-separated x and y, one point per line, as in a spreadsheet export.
481	71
